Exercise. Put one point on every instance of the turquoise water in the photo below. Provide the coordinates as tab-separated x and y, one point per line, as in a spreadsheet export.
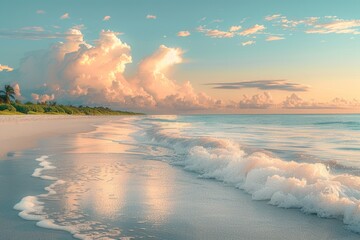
153	177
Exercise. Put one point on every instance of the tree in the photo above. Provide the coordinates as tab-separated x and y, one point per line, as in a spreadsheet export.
7	94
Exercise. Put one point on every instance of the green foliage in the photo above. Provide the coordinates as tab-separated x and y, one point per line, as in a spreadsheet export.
53	108
7	107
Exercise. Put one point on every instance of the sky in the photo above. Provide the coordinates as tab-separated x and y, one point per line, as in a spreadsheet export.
205	56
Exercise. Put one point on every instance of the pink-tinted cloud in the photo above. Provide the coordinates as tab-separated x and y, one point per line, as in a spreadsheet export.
40	11
149	16
106	18
234	28
274	38
65	16
262	100
272	17
5	68
252	30
94	74
183	34
339	26
247	43
215	33
295	102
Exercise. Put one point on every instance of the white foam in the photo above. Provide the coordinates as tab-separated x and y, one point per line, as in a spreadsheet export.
312	187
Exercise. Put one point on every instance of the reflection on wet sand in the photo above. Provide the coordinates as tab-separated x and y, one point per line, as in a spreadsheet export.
104	180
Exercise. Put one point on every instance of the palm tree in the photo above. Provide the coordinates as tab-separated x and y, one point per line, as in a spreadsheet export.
7	94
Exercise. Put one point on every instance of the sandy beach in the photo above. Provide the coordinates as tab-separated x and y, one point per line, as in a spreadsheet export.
97	182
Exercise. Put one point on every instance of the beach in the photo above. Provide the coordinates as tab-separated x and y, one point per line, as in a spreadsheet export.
146	177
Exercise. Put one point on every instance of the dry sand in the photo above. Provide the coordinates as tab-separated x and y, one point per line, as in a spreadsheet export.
22	132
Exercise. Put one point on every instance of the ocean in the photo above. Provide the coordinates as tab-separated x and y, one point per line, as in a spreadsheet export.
200	177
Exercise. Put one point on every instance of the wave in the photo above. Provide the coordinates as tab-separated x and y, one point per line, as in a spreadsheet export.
312	187
31	208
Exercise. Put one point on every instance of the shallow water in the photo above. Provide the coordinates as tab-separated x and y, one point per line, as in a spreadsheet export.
126	179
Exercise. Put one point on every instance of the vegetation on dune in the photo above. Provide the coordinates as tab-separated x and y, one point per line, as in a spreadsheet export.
8	106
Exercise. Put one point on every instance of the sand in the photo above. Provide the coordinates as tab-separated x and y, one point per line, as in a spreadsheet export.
22	132
143	197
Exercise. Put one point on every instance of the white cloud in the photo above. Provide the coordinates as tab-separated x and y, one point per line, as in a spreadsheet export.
106	18
252	30
250	42
40	11
5	68
149	16
65	16
183	34
274	38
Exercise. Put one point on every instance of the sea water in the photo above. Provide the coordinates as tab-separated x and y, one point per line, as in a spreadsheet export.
124	179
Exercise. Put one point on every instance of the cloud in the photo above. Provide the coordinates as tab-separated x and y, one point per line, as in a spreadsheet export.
274	38
33	28
250	42
151	16
257	101
106	18
215	33
42	98
76	72
281	85
339	26
65	16
252	30
40	11
5	68
295	102
183	34
272	17
234	28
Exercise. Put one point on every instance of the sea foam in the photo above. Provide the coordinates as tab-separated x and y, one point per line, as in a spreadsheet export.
312	187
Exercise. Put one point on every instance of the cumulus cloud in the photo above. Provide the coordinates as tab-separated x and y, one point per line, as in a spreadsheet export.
149	16
274	38
282	85
262	100
74	71
252	30
106	18
65	16
250	42
183	34
42	98
295	102
5	68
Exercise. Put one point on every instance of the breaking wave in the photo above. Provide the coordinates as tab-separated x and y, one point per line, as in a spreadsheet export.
312	187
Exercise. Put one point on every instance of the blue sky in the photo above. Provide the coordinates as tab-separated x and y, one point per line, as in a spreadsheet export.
318	59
